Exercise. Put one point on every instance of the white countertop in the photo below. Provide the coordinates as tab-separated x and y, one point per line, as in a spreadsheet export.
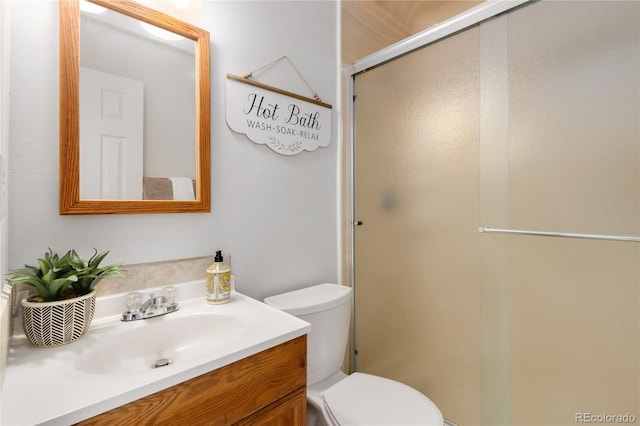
44	385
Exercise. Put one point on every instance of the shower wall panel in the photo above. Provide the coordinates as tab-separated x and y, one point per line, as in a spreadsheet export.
529	121
574	167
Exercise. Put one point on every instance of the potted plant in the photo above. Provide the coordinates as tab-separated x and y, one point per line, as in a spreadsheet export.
63	307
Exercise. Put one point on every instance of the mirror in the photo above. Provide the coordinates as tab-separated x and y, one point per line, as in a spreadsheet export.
173	149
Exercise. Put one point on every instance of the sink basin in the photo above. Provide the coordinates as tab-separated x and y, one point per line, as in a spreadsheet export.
159	342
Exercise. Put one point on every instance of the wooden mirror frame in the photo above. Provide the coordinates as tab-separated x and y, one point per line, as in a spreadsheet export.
70	202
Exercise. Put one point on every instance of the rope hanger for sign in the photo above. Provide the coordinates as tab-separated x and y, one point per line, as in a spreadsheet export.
286	122
250	74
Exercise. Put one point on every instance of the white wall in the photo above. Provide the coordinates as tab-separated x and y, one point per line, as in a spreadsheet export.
5	311
276	215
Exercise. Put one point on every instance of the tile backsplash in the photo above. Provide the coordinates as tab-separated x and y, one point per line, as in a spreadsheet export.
156	274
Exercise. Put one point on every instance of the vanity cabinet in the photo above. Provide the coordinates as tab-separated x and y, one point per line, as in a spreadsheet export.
268	388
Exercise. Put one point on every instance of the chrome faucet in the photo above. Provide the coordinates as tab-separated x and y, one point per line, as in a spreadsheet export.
154	306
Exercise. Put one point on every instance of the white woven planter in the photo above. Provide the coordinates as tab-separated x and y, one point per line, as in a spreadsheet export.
48	324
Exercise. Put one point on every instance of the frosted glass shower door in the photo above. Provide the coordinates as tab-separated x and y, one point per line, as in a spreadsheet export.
528	121
417	252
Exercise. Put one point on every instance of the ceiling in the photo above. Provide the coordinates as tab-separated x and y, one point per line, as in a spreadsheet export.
371	25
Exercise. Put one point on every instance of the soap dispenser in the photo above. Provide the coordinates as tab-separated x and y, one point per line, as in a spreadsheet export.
218	280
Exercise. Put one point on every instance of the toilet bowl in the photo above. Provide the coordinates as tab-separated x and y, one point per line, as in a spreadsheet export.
333	397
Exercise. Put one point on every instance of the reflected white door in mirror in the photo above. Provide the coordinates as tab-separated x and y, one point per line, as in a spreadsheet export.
111	136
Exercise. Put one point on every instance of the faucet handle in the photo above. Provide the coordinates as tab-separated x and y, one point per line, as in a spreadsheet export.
133	301
170	293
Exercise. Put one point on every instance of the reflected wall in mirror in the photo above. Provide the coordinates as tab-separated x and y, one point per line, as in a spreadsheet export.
134	111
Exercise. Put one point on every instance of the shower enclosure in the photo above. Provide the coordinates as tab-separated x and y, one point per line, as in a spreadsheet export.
496	173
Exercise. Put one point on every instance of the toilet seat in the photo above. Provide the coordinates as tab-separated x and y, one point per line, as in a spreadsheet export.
364	399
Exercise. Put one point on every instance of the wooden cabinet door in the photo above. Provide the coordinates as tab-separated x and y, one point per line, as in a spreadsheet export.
288	411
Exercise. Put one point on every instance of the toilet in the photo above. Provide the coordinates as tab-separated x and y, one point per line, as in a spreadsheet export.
333	397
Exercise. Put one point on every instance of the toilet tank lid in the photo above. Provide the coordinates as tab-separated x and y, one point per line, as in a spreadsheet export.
312	299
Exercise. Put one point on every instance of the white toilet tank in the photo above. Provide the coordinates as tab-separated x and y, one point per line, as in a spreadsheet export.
327	307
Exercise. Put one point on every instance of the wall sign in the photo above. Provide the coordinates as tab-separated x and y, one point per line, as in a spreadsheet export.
286	122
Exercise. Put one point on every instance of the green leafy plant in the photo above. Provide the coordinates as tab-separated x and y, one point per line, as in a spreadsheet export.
60	278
